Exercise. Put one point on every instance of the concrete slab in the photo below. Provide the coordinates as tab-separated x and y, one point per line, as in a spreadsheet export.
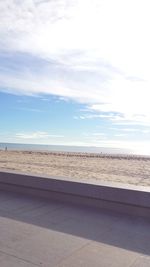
41	232
142	262
7	260
100	255
46	248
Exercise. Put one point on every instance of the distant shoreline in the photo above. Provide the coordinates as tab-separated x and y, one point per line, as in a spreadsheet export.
82	154
65	148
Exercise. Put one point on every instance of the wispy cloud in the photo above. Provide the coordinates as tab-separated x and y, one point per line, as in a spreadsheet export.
29	109
98	115
96	135
120	135
116	117
37	135
135	130
131	130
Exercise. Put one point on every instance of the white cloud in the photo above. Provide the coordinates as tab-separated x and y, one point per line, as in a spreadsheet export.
94	136
130	130
98	134
94	116
100	52
135	130
37	135
120	135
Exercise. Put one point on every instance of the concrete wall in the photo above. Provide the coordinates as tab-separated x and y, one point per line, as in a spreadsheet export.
128	199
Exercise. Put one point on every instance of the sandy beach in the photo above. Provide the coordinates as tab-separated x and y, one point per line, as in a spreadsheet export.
83	167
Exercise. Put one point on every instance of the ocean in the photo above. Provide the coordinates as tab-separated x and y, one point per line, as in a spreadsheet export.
62	148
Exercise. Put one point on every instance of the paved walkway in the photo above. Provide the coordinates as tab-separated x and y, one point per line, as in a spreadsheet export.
40	232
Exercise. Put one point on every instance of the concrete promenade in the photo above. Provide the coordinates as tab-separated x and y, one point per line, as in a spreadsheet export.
39	231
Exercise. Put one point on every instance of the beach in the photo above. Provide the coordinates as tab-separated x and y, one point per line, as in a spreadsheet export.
86	167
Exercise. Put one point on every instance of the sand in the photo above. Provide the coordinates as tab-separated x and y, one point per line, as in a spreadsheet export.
80	167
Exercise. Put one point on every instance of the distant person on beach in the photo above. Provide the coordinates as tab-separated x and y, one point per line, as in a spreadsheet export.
5	148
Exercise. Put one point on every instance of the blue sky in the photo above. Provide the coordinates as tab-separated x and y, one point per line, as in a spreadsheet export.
75	73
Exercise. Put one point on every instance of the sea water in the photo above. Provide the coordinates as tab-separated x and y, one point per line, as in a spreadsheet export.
63	148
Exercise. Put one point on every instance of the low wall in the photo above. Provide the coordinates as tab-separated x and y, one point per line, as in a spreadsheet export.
133	200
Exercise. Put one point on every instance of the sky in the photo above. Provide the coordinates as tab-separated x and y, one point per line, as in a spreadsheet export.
75	72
